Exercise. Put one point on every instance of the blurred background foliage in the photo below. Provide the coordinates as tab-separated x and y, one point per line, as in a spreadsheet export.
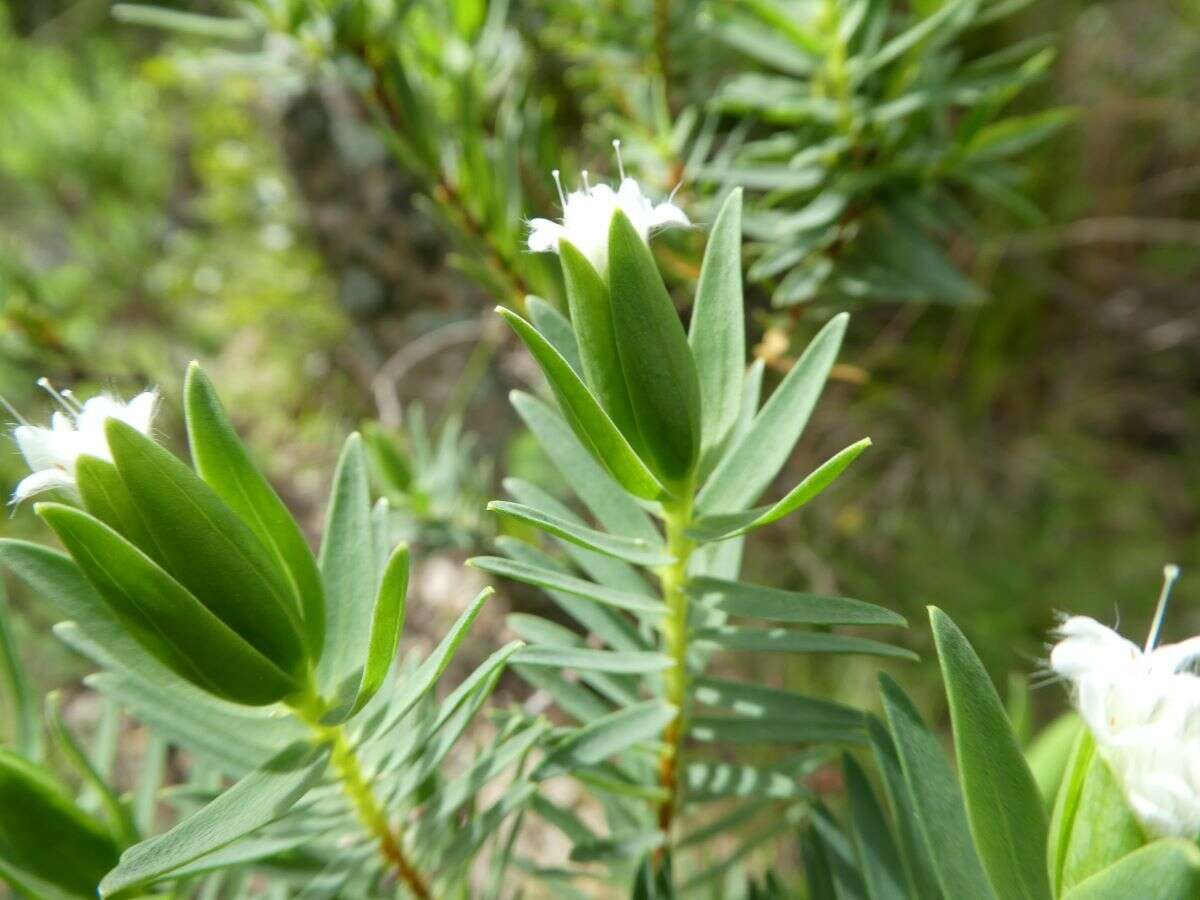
323	201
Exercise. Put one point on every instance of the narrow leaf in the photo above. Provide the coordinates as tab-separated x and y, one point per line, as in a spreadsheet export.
556	328
717	333
586	659
1008	821
879	860
720	527
592	321
754	460
347	565
586	417
605	737
258	799
546	578
936	799
634	550
785	640
736	598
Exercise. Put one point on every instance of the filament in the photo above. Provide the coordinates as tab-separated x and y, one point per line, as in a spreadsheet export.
1170	576
620	162
562	199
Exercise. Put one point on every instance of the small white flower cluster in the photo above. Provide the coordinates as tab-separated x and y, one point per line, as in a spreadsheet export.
1142	705
77	429
587	215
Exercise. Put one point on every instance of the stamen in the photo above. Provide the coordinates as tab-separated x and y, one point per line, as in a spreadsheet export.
70	397
44	384
587	187
620	162
562	199
12	411
1170	576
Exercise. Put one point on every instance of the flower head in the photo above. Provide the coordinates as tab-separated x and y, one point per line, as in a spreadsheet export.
587	214
1142	706
77	429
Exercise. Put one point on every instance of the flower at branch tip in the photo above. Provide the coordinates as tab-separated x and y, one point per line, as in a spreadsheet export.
588	212
76	429
1142	706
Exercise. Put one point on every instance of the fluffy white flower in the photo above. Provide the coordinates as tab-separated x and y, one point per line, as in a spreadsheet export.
1142	705
75	430
588	212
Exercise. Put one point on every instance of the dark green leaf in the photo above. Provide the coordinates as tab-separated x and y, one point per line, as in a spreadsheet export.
605	737
879	860
162	616
592	320
664	388
591	424
226	467
209	550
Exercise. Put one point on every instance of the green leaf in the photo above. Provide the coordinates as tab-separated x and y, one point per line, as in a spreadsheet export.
910	38
119	820
1103	829
1008	821
162	616
573	698
225	465
720	527
794	730
918	863
556	328
21	709
586	659
634	550
736	598
618	847
774	706
387	623
1050	752
592	321
717	333
605	737
664	388
105	496
586	417
718	780
1163	870
44	836
936	799
257	800
348	570
785	640
612	626
418	684
615	509
208	549
754	460
879	860
578	587
1066	806
1016	134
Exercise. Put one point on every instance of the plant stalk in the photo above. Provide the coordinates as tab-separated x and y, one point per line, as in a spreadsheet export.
673	580
357	788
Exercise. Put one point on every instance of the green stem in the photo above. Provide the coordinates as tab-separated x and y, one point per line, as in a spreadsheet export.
357	788
673	580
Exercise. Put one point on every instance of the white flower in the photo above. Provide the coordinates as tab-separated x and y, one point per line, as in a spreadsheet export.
75	430
587	214
1142	705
